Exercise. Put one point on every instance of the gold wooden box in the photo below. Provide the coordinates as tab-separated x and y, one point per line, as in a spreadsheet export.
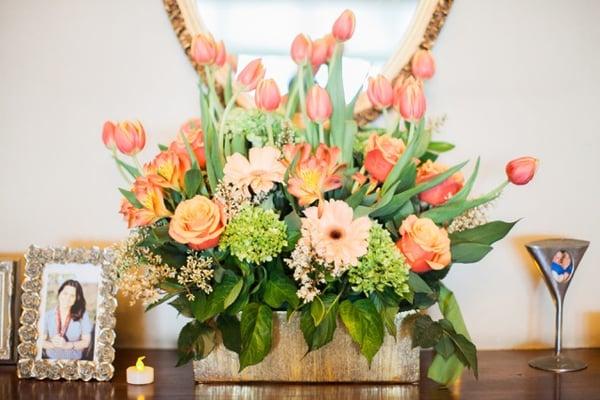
338	361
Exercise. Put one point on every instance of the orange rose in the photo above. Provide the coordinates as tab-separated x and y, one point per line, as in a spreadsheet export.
382	152
441	193
425	245
197	222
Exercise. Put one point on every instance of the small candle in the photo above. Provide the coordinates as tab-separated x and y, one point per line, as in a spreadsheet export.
140	374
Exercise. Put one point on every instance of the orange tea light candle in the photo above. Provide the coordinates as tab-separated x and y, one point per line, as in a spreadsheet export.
140	374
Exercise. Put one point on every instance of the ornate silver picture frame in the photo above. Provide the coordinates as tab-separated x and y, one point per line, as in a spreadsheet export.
8	311
77	342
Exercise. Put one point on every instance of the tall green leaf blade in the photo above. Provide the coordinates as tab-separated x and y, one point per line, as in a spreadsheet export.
256	329
463	193
484	234
335	88
466	253
133	171
131	198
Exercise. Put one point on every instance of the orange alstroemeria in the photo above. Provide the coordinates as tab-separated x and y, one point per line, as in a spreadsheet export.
168	169
151	198
313	175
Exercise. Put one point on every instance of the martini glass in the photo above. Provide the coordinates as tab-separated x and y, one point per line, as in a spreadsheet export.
557	260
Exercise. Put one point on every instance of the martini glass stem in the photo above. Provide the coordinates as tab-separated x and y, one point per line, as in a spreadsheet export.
559	319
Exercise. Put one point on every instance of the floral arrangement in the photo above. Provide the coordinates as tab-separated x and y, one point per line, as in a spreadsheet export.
290	206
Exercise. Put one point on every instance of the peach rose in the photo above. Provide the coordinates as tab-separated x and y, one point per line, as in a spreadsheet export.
197	222
425	245
441	193
382	152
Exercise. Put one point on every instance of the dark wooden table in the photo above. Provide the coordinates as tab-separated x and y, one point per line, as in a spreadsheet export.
503	375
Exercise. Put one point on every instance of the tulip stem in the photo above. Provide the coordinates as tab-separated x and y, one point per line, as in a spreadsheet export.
300	83
269	122
291	99
215	105
321	133
137	162
120	167
228	108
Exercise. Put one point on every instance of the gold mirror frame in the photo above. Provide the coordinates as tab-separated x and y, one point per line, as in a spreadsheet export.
422	32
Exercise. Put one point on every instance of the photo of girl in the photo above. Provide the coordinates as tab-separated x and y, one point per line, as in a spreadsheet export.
562	266
68	313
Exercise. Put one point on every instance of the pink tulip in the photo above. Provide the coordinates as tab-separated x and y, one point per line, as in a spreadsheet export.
380	92
343	28
301	49
320	53
409	99
204	49
521	170
130	137
423	64
108	135
267	96
330	40
318	104
251	75
221	54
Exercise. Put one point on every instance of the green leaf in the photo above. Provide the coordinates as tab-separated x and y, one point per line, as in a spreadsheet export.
445	371
162	147
163	299
317	310
464	192
196	341
356	198
364	325
244	296
223	295
451	311
388	316
417	284
183	306
440	147
192	182
131	198
465	351
445	347
229	326
279	288
256	329
318	336
335	88
350	130
464	253
426	333
483	234
133	171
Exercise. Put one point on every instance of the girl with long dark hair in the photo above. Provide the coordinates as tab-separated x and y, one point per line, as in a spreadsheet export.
67	328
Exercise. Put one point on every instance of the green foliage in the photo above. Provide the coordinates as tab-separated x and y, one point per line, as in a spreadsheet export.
251	125
256	328
196	341
483	234
192	182
364	325
131	198
382	266
223	295
254	235
229	326
318	335
280	289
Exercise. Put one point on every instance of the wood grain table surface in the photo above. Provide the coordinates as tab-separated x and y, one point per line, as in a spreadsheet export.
502	375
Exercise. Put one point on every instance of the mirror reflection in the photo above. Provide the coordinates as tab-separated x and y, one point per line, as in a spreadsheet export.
562	266
264	28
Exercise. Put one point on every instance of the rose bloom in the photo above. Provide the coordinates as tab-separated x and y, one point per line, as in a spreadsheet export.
197	222
336	236
258	172
441	193
425	245
192	129
382	152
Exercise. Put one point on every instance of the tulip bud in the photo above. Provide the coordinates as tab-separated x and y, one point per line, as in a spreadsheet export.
108	135
330	40
320	52
130	137
267	96
409	99
221	54
380	92
301	49
343	28
203	49
318	104
521	170
423	64
251	75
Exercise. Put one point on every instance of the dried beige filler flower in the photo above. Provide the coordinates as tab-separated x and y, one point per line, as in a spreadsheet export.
470	219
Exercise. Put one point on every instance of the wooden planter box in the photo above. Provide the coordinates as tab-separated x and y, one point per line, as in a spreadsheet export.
338	361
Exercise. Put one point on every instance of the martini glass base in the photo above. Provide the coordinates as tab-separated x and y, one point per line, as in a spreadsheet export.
557	364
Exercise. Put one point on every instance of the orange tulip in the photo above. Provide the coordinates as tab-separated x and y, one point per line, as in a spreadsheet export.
409	99
521	170
267	96
301	49
330	40
343	28
108	135
442	192
130	137
251	75
320	53
380	92
204	49
318	104
221	54
423	64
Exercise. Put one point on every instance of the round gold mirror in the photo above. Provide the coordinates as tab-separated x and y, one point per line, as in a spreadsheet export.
387	35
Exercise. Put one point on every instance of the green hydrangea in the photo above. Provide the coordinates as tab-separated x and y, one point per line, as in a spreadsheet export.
252	124
254	235
383	265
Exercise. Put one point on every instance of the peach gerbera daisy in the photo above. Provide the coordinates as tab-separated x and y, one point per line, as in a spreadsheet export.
259	171
335	235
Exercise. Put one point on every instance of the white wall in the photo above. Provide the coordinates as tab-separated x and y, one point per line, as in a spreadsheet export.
514	78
